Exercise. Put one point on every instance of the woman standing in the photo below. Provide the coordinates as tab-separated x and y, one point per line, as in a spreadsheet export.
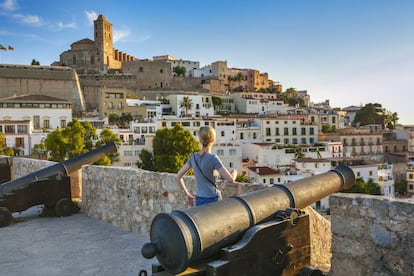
204	163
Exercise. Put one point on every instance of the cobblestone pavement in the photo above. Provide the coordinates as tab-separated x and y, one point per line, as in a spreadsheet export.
74	245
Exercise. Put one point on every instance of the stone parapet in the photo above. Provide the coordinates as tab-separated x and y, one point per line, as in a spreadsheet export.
371	235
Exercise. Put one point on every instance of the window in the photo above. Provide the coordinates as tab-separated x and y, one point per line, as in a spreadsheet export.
9	129
303	131
294	131
254	135
277	131
46	123
20	142
62	123
36	122
311	131
22	129
286	131
222	133
232	151
241	135
268	131
220	152
358	174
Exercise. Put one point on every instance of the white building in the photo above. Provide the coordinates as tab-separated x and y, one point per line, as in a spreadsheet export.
202	105
386	179
264	175
27	119
259	103
189	66
154	109
287	130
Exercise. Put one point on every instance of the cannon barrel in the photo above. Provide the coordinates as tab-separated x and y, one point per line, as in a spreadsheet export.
183	237
63	168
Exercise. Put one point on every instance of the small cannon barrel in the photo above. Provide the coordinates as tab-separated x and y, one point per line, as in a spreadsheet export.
63	168
182	237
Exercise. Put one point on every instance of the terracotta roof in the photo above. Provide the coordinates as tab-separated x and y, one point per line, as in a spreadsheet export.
314	160
263	170
84	41
33	98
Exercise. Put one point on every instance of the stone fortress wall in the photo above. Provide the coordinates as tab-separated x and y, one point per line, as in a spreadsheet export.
367	235
59	82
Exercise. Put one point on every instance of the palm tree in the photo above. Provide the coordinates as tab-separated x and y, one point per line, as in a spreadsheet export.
187	104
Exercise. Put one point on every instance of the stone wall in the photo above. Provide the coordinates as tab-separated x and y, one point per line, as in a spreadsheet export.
54	81
372	235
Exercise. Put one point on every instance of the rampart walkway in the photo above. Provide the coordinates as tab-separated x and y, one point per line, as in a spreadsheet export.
75	245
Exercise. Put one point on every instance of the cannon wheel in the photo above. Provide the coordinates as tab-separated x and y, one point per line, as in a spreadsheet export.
64	207
5	217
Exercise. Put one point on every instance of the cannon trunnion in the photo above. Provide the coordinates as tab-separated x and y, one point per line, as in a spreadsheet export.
49	186
258	233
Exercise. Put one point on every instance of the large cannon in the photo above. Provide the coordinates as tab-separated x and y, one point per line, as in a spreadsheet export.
258	233
49	186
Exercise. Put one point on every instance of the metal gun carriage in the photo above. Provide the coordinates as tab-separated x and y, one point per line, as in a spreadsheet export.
258	233
49	186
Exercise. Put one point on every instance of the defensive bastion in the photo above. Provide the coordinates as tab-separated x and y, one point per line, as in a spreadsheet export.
366	235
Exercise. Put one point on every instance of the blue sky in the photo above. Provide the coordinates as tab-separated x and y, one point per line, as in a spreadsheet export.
350	52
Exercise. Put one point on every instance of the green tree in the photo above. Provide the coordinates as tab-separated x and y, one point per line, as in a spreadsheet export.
290	96
124	119
373	188
217	101
55	145
328	128
35	62
76	139
369	188
180	70
147	161
105	137
113	119
299	153
2	140
371	113
171	149
243	178
187	104
400	187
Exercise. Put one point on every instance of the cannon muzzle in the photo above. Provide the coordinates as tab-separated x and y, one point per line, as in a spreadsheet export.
183	237
60	169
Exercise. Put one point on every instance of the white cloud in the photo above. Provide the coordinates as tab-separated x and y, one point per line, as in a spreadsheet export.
28	19
9	5
120	34
91	16
61	25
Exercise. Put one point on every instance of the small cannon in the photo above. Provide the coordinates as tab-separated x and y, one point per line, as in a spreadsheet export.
49	186
258	233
